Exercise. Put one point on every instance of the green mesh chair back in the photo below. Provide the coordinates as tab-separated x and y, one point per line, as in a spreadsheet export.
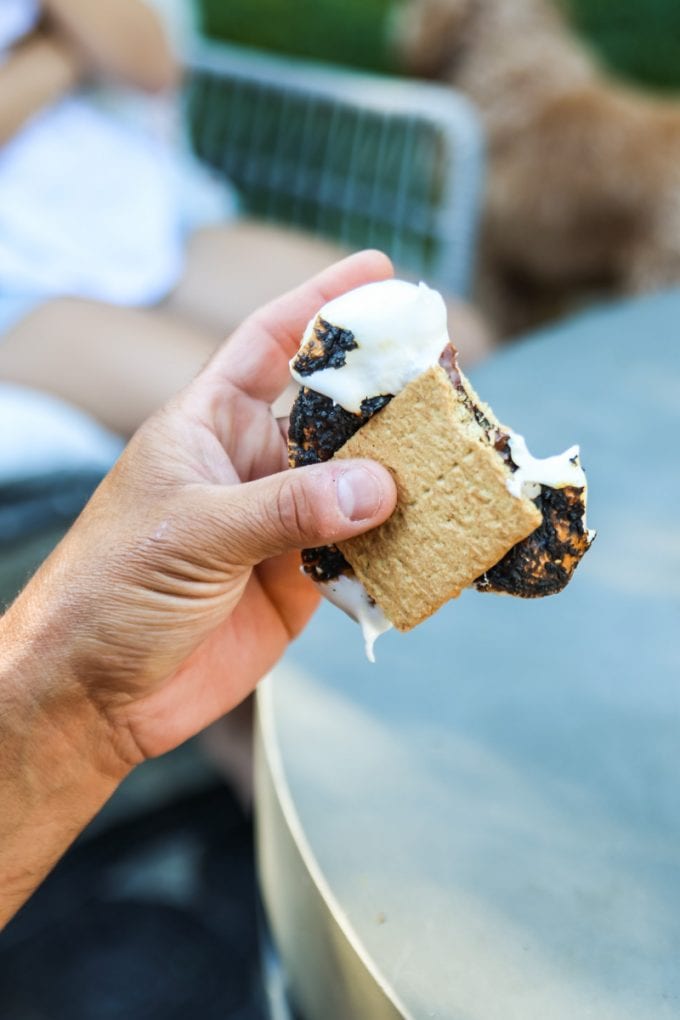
363	159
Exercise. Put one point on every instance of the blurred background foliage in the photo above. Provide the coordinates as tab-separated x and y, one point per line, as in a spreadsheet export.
638	39
350	32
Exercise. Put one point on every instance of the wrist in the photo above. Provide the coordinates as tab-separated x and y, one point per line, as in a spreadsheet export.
57	760
48	713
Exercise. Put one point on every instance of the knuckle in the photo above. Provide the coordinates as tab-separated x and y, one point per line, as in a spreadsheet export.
296	513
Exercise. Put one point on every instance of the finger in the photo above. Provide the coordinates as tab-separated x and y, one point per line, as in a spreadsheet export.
283	425
289	590
256	357
308	507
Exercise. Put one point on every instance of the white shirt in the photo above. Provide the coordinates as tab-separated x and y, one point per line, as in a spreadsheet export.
90	205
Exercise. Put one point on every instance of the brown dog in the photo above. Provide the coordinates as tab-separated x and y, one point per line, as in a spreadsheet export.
583	193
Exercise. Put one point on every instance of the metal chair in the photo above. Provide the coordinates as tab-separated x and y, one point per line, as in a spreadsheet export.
363	159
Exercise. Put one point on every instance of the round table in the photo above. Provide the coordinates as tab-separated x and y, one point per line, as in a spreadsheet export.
485	825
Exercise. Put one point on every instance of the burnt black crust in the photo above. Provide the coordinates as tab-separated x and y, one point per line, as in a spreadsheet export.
543	563
319	427
330	352
324	563
371	405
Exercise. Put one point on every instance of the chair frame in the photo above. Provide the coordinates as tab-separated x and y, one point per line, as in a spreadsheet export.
452	224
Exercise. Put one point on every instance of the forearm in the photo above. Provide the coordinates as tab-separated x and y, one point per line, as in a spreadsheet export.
36	75
121	38
57	763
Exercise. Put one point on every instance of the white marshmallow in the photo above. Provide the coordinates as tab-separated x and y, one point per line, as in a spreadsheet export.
400	331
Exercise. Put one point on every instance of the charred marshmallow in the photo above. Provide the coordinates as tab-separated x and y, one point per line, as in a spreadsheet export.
399	331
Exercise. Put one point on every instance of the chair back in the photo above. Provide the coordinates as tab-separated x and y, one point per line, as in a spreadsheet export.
366	160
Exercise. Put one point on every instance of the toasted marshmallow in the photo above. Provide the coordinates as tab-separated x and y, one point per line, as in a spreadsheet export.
348	593
556	472
399	329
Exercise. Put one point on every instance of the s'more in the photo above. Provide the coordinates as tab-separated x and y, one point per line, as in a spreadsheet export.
379	378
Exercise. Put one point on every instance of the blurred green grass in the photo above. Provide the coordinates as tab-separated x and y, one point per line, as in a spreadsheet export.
350	32
638	39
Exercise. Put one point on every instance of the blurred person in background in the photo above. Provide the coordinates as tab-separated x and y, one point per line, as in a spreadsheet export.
113	291
109	295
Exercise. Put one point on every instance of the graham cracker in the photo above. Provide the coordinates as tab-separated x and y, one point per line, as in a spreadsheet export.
454	518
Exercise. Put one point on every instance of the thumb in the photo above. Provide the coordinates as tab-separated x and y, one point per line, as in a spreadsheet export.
309	506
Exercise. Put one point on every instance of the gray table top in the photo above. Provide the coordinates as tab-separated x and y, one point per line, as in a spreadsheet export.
495	804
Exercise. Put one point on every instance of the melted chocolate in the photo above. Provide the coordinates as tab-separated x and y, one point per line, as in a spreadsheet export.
448	359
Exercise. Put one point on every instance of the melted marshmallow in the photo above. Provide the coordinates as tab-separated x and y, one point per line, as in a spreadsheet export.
400	331
558	472
532	472
349	594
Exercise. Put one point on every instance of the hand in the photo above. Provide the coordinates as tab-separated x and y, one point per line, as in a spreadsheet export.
177	589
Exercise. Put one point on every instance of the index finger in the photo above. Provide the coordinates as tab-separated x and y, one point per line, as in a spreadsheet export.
255	358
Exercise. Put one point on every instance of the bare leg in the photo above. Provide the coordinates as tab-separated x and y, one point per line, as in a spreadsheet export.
117	363
233	269
121	363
